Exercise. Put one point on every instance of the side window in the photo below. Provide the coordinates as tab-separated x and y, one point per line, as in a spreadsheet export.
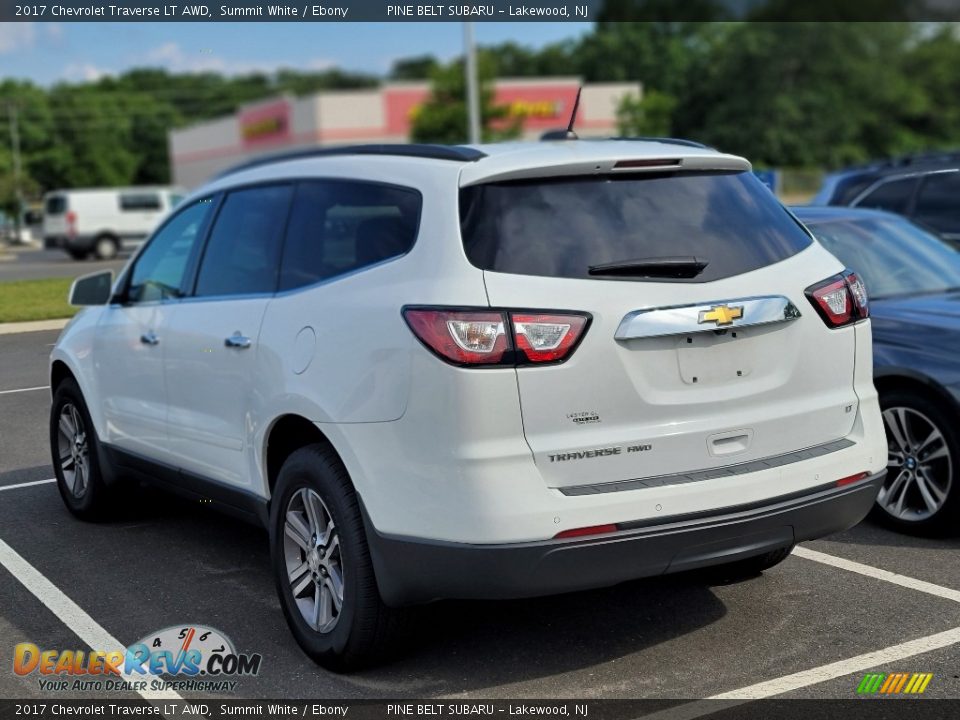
243	253
159	270
337	226
140	202
939	203
893	196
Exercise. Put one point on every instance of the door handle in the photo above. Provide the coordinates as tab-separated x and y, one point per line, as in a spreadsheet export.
150	338
238	342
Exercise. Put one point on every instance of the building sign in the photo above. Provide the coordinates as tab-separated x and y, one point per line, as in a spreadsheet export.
265	124
537	104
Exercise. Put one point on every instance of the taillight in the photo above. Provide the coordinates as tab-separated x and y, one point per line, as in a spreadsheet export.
464	338
497	338
840	300
546	338
72	224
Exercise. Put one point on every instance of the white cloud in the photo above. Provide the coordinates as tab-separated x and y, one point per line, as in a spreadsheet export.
16	36
87	72
173	57
54	31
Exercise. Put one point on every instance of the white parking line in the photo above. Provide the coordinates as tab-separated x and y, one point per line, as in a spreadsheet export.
23	390
69	613
805	678
892	654
27	484
831	671
878	574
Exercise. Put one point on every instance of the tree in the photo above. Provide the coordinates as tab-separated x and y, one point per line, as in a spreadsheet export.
419	67
443	118
802	94
651	115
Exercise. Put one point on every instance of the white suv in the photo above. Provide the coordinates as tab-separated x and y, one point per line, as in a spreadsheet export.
479	372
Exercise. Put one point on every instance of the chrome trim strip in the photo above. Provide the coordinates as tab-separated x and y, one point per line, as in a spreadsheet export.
713	474
686	319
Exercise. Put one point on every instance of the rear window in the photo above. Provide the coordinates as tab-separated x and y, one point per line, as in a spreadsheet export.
55	205
560	228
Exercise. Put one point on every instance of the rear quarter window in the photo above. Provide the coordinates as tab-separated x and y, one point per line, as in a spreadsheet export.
341	226
559	228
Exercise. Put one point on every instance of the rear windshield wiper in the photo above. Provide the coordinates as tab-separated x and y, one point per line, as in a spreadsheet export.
659	267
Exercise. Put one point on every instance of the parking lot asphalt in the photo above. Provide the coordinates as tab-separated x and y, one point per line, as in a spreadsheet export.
23	263
804	629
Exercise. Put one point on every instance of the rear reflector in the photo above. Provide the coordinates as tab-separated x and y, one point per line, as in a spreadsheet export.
497	338
852	479
584	531
840	300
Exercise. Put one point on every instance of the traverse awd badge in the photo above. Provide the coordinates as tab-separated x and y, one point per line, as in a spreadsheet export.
721	315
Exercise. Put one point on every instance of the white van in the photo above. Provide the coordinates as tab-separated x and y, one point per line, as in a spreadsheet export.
103	221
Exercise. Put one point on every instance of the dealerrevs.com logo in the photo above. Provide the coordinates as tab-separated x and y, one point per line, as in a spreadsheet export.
195	656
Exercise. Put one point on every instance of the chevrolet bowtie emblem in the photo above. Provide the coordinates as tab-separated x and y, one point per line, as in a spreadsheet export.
721	315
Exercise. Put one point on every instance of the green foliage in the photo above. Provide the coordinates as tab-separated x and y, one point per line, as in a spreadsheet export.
420	67
651	115
114	131
443	118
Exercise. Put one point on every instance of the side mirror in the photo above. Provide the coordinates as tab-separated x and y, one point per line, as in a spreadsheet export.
92	289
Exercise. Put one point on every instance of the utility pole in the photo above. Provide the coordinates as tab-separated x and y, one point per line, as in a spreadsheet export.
473	90
15	144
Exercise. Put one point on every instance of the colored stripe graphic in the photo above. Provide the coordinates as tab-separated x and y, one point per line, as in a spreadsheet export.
894	683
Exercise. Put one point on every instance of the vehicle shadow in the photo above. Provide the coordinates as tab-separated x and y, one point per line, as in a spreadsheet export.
447	647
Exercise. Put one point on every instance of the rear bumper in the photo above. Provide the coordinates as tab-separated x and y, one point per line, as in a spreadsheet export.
415	571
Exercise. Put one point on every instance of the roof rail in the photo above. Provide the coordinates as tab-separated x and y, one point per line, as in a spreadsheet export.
457	153
667	140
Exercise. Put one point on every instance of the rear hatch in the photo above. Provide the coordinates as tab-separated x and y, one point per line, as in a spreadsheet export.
702	349
55	208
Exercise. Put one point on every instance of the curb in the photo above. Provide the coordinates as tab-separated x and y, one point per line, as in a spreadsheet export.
35	326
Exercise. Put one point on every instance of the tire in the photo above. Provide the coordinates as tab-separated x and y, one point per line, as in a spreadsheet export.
78	254
360	633
749	567
75	451
106	247
919	495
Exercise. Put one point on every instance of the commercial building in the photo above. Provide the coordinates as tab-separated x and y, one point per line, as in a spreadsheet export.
381	115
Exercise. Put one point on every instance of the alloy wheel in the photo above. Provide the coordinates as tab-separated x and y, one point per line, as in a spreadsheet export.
314	564
73	450
919	466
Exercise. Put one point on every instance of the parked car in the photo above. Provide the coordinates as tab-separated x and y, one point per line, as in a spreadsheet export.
479	372
103	221
924	188
913	279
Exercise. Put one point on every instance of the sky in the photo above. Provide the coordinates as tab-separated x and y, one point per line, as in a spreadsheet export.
50	52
